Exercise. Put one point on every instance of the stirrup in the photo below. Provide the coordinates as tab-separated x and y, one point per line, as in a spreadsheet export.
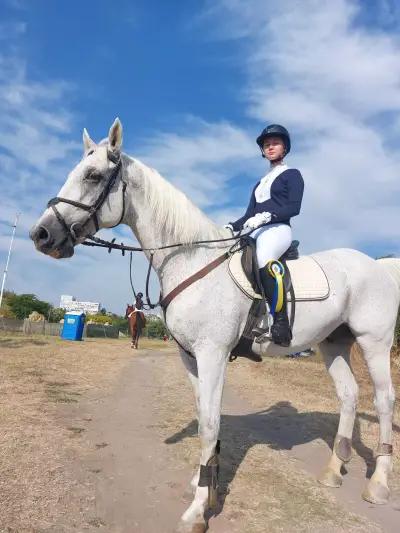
265	336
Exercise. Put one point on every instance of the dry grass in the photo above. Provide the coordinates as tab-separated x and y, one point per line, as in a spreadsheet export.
42	383
310	395
45	380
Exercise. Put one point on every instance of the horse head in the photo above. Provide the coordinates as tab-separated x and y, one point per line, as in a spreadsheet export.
90	199
129	309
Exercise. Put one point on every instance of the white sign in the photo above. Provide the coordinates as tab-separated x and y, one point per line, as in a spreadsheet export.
83	307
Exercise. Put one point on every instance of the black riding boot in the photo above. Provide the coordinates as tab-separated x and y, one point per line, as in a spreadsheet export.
280	330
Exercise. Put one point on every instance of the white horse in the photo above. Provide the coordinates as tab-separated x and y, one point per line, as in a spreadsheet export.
207	319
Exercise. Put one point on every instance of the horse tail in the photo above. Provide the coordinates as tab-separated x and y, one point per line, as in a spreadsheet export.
392	266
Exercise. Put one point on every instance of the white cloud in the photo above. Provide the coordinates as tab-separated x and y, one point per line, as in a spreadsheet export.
201	162
312	66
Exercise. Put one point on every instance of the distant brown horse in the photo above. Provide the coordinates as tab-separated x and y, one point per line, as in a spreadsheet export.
137	322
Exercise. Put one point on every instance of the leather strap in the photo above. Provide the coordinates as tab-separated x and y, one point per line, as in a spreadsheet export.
195	277
209	472
384	449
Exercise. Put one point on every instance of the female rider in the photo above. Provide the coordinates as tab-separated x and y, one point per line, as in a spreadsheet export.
274	200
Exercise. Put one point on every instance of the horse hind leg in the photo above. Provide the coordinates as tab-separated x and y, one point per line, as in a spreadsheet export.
336	355
377	357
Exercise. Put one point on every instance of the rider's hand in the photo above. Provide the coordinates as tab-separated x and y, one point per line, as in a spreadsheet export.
257	220
252	223
265	217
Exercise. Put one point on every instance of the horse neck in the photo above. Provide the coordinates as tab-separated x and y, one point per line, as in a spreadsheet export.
170	264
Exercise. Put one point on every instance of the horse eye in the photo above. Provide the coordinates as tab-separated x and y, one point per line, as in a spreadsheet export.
94	176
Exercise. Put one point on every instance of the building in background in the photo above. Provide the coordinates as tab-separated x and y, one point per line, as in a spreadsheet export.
70	303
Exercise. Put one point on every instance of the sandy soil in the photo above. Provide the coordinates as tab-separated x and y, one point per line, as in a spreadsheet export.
96	436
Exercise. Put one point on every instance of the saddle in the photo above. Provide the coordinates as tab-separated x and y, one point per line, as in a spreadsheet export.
251	268
304	280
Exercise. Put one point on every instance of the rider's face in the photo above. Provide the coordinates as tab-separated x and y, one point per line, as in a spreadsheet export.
274	148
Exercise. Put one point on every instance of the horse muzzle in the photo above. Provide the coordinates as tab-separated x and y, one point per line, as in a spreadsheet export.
50	243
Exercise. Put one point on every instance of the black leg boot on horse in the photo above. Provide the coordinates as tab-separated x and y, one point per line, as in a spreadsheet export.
280	330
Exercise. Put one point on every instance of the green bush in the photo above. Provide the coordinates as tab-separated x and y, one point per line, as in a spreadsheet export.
56	314
99	319
155	328
22	305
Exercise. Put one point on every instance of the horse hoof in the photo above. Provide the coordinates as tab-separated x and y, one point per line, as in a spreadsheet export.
376	493
329	478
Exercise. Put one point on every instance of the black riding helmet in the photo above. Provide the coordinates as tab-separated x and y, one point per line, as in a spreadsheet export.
274	130
139	295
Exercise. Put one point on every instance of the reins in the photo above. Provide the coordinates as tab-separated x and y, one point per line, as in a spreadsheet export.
164	302
72	232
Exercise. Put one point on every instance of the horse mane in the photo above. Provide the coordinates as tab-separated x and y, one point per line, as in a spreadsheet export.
173	212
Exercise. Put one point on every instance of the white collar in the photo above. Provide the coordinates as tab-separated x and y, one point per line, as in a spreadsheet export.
275	171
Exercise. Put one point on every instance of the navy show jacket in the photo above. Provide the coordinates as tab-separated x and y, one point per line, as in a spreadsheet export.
285	199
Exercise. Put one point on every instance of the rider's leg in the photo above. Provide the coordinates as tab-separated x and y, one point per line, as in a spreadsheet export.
280	330
272	241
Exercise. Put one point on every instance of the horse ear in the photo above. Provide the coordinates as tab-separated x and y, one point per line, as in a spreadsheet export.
88	144
115	136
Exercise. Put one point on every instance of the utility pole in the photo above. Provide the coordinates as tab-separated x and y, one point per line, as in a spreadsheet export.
8	259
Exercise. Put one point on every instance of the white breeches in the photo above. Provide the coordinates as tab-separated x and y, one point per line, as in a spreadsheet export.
272	241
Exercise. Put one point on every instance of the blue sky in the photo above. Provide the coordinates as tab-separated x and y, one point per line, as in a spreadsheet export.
193	83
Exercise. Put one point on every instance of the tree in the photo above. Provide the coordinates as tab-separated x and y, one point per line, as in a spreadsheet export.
22	305
5	310
56	314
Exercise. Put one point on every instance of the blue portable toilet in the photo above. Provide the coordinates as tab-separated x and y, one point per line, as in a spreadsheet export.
73	326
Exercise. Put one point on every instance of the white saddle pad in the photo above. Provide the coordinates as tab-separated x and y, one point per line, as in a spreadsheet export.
308	279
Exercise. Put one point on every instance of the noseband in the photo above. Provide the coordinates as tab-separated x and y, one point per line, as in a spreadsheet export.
72	231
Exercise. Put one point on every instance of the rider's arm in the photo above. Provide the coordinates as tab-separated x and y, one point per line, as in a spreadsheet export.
291	208
238	225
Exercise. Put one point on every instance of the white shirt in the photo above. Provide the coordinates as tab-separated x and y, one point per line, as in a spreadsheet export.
263	191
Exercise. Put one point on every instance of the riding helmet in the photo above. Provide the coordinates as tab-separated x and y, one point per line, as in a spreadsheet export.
274	130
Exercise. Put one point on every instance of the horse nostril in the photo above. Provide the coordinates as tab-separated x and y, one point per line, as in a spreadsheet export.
43	235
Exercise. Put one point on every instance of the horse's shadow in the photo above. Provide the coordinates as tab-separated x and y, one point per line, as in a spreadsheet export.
281	427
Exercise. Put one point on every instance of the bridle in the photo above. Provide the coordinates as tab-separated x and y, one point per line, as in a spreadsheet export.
72	231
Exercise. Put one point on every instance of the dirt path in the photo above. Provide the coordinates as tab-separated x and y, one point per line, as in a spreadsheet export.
144	452
141	487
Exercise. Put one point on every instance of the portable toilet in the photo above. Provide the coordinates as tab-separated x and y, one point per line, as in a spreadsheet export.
73	326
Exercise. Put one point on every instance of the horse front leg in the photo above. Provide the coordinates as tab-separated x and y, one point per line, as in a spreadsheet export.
191	366
211	364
